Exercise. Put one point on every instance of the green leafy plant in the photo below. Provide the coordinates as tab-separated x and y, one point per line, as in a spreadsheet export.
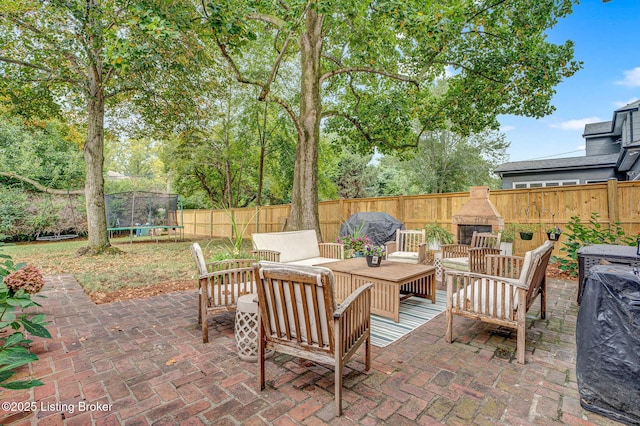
435	232
580	234
509	233
235	250
528	227
372	250
554	230
16	289
355	242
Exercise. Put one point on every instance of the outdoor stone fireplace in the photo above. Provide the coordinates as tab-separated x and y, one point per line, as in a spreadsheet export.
478	214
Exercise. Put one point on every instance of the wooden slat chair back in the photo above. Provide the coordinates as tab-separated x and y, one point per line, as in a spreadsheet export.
409	246
220	285
482	245
501	300
298	316
485	240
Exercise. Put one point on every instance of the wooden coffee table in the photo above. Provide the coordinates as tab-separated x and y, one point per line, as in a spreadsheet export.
390	279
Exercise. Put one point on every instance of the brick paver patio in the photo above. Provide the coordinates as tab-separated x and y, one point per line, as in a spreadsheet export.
142	362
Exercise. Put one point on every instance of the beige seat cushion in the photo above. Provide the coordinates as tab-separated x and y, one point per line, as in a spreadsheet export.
457	263
403	256
228	294
293	245
485	292
312	261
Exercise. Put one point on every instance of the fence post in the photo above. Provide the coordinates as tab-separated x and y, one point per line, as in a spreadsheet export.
612	200
400	201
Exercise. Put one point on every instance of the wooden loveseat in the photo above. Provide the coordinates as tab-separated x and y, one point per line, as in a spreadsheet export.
502	295
295	248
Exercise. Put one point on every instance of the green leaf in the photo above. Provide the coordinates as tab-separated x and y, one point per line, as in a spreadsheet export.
13	339
36	329
10	360
38	319
5	375
21	384
19	302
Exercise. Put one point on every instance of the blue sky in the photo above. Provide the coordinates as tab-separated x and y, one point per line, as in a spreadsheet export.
607	41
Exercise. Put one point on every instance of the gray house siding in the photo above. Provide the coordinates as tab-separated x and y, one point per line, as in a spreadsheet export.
631	133
612	152
584	176
601	146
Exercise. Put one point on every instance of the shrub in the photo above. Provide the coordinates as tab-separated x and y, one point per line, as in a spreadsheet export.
580	234
28	279
509	233
435	232
15	296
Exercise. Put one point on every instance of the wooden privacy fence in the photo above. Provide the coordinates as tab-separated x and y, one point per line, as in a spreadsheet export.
614	201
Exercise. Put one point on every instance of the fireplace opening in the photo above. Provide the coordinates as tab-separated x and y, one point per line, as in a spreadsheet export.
465	232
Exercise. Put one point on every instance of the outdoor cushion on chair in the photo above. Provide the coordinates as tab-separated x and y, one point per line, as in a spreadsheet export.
298	316
408	247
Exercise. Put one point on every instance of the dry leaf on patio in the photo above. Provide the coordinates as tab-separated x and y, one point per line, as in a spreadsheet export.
170	362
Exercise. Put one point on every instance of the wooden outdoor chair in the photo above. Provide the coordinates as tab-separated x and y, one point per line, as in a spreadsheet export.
471	257
503	294
410	246
298	316
220	285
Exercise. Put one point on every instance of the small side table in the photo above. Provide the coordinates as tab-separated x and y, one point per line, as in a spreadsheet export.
246	329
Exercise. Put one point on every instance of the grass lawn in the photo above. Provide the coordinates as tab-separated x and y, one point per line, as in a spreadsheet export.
144	267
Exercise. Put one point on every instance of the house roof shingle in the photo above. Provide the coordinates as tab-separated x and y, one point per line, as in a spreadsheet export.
559	163
597	128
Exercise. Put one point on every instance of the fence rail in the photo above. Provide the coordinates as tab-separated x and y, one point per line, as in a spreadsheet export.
614	201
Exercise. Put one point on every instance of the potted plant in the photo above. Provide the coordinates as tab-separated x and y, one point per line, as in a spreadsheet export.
374	254
437	235
526	230
353	244
508	236
554	232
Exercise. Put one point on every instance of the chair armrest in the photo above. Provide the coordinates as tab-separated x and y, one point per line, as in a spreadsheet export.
391	246
454	250
270	255
331	250
426	256
471	276
504	266
352	321
359	293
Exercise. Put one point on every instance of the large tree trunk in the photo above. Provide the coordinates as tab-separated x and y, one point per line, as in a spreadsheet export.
94	163
262	136
304	202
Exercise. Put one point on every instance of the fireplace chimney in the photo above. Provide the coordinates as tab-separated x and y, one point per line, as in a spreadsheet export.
478	214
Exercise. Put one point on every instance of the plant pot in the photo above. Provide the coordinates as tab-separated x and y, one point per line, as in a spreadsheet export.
434	245
374	261
506	248
553	236
357	254
526	235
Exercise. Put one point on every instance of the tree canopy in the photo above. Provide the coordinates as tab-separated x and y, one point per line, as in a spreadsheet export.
371	69
80	57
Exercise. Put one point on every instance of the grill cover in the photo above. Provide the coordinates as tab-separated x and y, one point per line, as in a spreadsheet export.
608	343
379	226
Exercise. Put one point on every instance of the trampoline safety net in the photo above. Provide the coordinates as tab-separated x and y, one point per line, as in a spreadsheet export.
135	208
